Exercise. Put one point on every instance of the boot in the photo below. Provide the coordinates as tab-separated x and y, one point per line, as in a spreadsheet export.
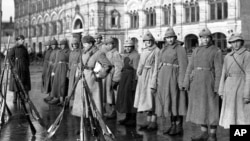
173	130
48	98
179	127
152	126
122	122
131	120
202	137
144	127
212	137
112	115
161	130
172	120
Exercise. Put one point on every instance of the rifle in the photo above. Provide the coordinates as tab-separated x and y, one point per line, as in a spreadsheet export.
53	128
3	95
23	95
106	132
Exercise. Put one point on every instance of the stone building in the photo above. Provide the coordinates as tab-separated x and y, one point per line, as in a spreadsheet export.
7	31
222	17
41	20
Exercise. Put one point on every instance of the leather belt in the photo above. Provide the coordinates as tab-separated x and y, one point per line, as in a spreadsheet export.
203	68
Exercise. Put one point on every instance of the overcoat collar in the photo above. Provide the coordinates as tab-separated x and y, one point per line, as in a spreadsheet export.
239	52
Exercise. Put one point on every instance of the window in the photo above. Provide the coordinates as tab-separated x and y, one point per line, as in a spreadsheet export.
220	41
115	18
151	17
218	10
167	15
54	28
192	11
134	19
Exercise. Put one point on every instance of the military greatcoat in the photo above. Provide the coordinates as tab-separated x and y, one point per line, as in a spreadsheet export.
45	67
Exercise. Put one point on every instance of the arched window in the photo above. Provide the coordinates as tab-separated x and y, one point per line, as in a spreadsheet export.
134	16
167	14
220	40
192	12
151	17
115	18
54	28
78	24
46	29
218	9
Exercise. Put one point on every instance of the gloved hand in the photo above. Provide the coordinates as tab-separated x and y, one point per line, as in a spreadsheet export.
114	85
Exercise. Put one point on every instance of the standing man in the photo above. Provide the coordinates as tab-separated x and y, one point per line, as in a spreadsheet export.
74	60
127	84
60	70
45	63
147	76
49	75
20	59
170	98
113	78
235	85
202	80
98	41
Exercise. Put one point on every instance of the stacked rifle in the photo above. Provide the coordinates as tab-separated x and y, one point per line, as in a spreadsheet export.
23	97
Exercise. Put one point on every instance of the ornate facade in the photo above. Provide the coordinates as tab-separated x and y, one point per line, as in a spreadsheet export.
41	20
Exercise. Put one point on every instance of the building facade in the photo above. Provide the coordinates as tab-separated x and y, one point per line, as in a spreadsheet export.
7	34
40	20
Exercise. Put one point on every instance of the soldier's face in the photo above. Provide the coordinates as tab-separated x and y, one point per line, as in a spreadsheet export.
62	46
98	40
74	46
128	49
148	43
87	46
53	46
20	41
170	40
110	46
205	40
236	45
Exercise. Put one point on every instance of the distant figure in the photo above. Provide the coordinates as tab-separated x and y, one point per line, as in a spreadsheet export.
20	58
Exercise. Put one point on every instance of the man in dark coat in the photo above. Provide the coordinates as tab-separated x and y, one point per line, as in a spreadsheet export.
45	63
127	84
60	82
20	58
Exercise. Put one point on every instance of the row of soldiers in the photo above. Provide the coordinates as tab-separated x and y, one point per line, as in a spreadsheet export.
161	82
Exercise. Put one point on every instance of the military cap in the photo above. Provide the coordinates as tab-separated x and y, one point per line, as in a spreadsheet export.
148	36
47	43
170	33
110	41
20	37
235	37
88	39
53	42
64	41
75	41
129	43
205	32
97	36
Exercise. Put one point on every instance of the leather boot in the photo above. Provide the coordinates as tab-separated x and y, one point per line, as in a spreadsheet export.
212	137
152	126
173	130
172	120
131	120
144	126
179	126
202	137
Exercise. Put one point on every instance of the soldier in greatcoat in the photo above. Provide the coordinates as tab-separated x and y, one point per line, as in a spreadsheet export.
98	42
45	63
170	97
49	75
60	70
113	78
235	85
74	60
127	84
146	86
89	58
202	80
19	57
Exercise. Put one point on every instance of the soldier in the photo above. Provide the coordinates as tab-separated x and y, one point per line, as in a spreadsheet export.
98	41
127	84
60	82
170	98
49	76
90	57
20	59
113	78
45	63
202	79
235	85
147	76
73	63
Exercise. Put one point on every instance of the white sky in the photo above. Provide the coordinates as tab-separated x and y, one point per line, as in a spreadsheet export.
7	9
